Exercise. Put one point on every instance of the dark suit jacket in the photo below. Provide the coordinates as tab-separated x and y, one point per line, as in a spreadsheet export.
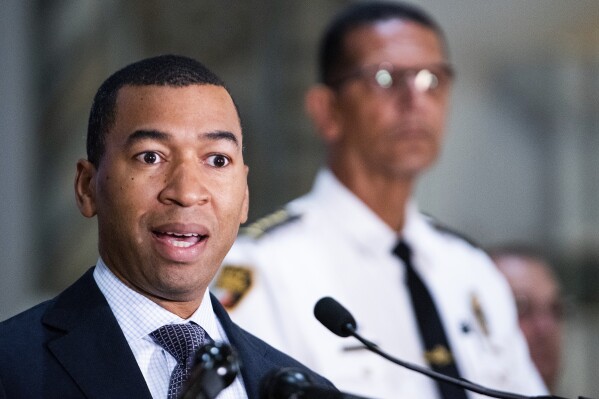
73	347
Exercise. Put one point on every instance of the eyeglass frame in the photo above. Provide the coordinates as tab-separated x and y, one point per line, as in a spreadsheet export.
370	73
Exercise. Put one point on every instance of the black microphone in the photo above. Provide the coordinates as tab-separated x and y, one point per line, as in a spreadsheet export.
340	322
292	383
216	365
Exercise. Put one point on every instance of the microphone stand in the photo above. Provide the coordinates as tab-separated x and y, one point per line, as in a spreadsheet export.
462	383
340	322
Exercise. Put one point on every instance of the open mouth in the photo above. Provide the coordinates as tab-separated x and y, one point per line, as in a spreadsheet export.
180	240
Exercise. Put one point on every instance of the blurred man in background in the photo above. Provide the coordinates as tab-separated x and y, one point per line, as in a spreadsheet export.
540	306
419	291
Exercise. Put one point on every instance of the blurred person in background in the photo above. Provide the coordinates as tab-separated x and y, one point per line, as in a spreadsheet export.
419	291
540	305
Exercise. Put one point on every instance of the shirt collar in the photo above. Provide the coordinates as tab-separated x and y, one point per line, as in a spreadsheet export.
351	215
138	316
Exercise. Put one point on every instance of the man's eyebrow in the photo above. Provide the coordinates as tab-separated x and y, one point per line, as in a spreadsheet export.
221	135
140	135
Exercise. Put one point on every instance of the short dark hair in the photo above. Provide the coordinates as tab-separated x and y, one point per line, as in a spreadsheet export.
163	70
333	59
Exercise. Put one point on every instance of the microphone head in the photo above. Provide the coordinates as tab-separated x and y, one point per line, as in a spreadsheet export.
335	317
220	358
285	383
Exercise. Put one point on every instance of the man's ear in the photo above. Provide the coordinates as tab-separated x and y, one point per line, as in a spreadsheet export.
85	192
320	105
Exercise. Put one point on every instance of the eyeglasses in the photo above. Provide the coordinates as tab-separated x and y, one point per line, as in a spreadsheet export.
433	78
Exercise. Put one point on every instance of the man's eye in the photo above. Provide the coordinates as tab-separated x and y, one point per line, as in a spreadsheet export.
149	157
218	161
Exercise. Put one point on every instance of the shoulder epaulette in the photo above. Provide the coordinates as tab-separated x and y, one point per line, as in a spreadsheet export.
267	223
448	230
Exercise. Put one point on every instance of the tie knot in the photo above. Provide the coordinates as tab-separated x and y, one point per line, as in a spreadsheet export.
180	340
403	251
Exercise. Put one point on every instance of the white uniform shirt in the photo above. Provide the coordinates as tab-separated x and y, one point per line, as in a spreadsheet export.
333	245
138	317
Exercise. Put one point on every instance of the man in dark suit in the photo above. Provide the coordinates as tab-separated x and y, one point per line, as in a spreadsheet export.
166	179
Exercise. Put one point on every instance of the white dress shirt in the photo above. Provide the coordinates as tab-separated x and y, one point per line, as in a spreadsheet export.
138	317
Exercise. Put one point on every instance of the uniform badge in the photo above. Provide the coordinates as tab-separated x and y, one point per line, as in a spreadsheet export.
232	284
477	310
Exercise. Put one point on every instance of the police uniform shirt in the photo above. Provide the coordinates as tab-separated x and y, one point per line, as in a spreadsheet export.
328	243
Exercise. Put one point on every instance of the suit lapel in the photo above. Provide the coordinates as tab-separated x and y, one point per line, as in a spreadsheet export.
90	345
255	362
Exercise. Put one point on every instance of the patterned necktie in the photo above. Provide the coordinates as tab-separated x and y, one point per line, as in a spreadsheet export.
181	341
437	350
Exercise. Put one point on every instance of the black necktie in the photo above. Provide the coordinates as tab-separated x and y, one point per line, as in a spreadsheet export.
181	341
437	350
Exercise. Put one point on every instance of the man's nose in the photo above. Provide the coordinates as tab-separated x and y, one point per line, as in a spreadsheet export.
184	185
409	93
